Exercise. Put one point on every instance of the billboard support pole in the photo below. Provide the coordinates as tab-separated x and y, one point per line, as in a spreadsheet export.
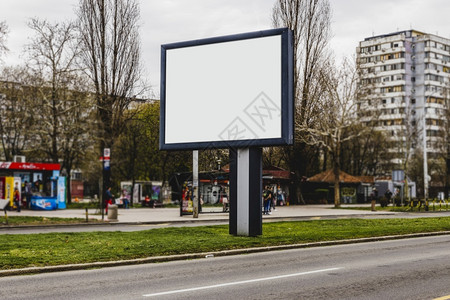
195	183
245	192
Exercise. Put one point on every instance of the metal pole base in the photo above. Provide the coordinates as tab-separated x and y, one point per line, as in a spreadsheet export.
245	192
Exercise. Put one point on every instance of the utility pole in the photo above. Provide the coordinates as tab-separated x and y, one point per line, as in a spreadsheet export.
106	177
425	156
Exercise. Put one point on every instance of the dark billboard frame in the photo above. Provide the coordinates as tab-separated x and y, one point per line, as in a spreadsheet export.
287	93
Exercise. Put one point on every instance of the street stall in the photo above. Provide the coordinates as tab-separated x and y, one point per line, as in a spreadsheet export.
39	184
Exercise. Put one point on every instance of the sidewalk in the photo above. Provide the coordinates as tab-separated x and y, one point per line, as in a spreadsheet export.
161	215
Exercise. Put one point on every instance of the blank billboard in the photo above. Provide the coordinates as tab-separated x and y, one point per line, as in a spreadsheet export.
231	91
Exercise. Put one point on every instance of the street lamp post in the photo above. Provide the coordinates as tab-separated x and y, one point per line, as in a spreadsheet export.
425	156
426	177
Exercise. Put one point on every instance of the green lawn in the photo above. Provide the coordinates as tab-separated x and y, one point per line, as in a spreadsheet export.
18	251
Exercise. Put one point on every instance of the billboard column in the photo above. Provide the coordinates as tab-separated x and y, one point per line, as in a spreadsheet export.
195	185
245	192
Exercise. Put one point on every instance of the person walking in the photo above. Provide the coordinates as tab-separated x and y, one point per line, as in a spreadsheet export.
374	198
267	194
388	195
16	198
108	199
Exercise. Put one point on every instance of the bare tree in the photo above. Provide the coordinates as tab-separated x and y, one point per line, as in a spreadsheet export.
111	55
310	22
15	116
330	129
63	103
52	56
3	35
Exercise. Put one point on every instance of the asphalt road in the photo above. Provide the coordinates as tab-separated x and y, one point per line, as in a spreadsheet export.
416	268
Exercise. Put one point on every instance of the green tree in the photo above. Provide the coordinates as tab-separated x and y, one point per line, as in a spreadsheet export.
137	155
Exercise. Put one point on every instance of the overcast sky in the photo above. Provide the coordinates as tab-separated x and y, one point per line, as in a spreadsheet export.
166	21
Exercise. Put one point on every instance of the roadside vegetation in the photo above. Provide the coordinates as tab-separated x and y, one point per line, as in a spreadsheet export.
433	206
19	251
26	221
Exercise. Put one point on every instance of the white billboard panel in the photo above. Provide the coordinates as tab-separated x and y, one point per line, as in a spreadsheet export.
227	91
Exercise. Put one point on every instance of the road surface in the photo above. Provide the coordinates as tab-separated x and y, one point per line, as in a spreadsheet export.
416	268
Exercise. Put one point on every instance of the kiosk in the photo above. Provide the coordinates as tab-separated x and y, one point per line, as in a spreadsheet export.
47	186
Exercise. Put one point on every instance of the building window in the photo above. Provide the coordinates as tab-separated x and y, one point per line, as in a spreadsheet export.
413	101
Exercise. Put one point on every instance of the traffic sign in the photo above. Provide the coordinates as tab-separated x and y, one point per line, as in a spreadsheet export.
107	152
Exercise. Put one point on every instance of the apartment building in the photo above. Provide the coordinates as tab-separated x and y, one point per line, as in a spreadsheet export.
404	84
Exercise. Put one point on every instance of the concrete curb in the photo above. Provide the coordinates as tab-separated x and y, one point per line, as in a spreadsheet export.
156	259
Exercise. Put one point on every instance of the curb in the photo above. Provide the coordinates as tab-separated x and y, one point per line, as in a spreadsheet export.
157	259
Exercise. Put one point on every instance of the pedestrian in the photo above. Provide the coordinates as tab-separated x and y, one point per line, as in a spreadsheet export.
108	199
281	197
388	195
38	185
267	194
28	194
274	199
373	198
147	201
375	193
16	197
125	199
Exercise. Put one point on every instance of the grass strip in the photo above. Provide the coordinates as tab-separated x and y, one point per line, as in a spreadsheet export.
27	220
19	251
406	208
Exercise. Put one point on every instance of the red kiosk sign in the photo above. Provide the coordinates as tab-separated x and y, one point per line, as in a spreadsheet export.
29	166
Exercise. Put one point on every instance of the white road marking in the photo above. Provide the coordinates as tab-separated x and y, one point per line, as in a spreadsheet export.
239	282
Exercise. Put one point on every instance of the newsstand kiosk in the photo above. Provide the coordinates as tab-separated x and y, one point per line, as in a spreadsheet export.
48	188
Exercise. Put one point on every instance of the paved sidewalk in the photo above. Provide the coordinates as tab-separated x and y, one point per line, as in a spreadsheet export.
160	215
